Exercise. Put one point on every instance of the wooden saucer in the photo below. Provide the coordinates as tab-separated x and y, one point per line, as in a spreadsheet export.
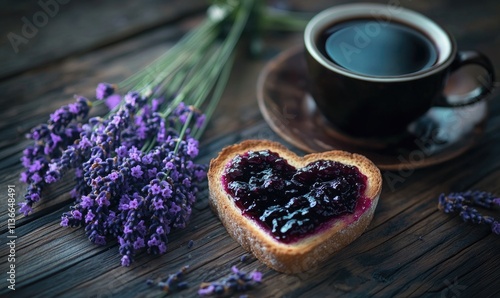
439	135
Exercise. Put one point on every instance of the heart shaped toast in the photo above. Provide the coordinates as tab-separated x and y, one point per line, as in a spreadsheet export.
292	212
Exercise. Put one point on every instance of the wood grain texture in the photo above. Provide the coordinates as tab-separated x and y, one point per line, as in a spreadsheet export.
59	28
410	248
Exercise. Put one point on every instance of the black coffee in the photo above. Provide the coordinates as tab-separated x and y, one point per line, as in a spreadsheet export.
368	47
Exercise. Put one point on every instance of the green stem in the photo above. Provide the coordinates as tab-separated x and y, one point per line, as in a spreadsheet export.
216	96
179	54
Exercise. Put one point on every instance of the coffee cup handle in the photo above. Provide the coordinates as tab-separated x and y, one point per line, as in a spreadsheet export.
485	84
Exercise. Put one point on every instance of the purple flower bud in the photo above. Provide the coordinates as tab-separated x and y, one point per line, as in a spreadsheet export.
84	143
152	172
53	167
200	175
74	108
256	276
50	179
134	100
158	204
133	204
162	248
166	192
121	151
155	189
25	209
135	154
55	138
104	90
77	215
114	176
192	148
147	159
89	217
122	241
35	197
174	208
36	166
56	116
142	132
102	199
137	172
495	227
139	243
183	118
113	101
169	165
64	222
116	120
200	120
206	290
127	230
74	193
86	202
100	240
141	227
125	261
24	177
155	104
26	161
153	242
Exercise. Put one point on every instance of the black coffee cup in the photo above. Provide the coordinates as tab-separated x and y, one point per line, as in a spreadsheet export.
374	69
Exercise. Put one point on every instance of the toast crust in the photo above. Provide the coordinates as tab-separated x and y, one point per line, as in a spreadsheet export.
308	252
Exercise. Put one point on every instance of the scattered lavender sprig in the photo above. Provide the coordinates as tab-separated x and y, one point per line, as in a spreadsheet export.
236	281
49	141
174	282
462	203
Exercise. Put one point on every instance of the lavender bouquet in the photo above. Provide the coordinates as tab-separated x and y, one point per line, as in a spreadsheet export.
136	177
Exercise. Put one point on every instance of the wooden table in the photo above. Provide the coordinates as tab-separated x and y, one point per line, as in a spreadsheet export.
410	248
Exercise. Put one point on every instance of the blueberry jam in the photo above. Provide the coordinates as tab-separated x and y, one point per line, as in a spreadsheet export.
292	203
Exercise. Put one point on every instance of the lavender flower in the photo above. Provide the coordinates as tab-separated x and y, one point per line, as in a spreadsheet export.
104	90
49	141
462	203
112	101
122	192
236	281
136	178
174	282
495	227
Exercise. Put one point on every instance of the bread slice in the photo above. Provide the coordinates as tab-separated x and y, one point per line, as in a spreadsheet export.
311	250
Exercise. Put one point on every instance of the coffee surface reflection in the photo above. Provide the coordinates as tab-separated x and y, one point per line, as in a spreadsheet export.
367	47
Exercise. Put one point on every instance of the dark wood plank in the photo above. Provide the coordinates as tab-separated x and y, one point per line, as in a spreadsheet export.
410	248
390	258
35	34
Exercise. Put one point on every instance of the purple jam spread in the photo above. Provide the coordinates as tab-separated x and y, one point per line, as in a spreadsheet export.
292	203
